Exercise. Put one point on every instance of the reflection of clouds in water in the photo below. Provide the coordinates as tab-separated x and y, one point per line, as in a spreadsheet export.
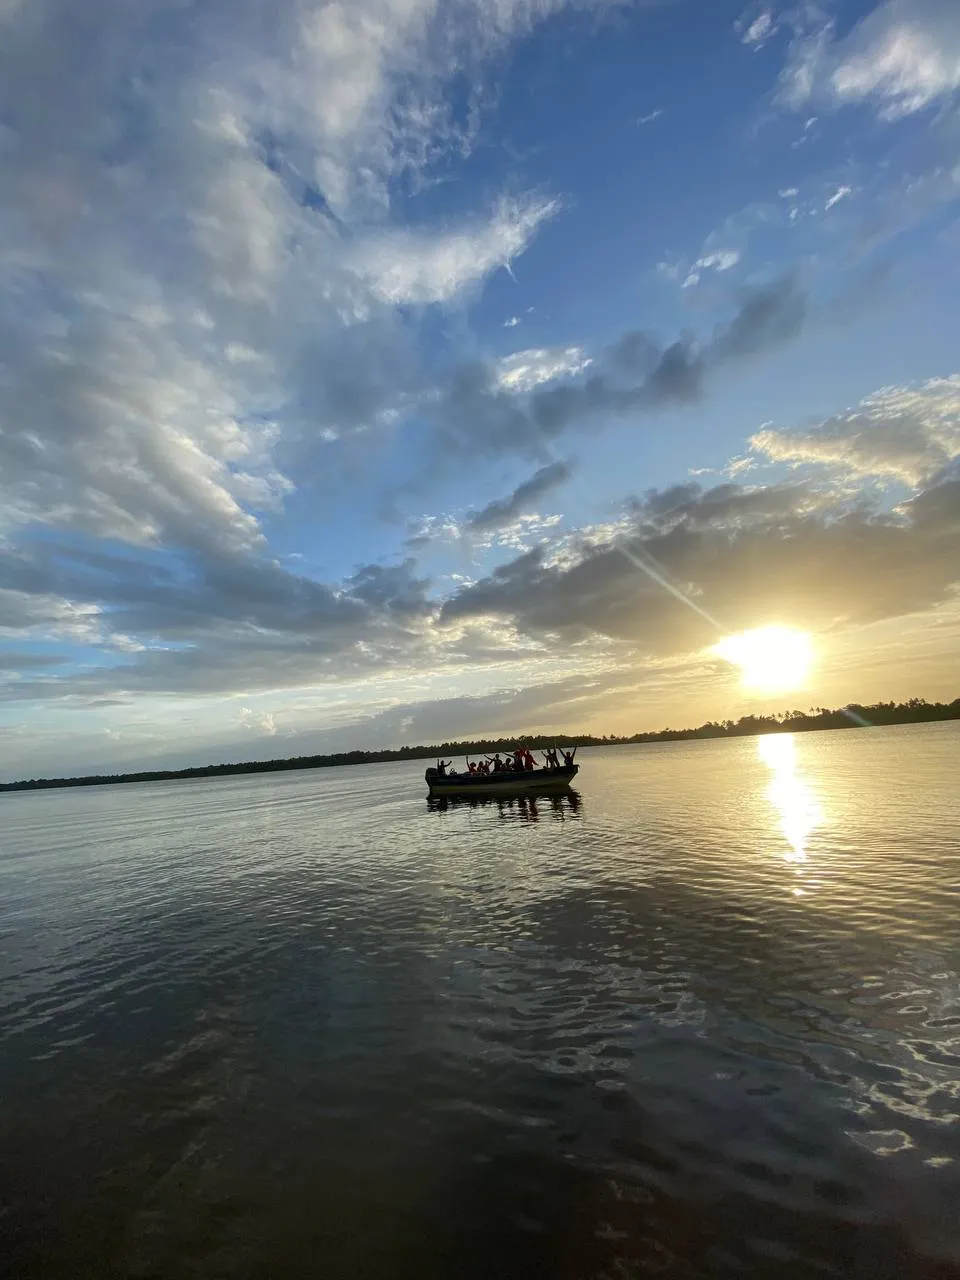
791	795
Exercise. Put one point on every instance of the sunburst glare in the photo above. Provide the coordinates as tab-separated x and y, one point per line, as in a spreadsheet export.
774	659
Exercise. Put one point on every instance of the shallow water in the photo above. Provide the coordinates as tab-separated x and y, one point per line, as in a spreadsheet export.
702	1019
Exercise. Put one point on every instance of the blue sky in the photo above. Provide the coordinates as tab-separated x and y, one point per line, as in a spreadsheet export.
358	357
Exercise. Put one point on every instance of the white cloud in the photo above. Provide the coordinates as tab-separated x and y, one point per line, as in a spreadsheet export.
437	528
408	267
525	370
651	116
901	58
512	322
760	29
258	721
904	434
718	260
525	531
841	193
237	225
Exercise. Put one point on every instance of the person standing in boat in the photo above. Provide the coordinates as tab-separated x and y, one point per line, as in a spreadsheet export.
568	758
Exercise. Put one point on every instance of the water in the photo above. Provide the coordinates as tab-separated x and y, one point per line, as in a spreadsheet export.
703	1022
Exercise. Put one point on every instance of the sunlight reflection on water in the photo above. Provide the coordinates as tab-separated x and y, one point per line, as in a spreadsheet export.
794	798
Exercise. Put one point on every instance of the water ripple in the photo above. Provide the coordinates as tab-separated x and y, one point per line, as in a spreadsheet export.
700	1019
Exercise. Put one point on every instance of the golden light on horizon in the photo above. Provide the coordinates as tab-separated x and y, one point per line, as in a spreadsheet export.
772	659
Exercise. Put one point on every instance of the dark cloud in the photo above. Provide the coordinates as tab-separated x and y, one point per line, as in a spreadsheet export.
345	379
634	352
393	589
768	318
634	376
505	510
723	504
937	508
744	556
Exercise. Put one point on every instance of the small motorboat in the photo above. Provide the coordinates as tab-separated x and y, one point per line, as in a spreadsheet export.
504	783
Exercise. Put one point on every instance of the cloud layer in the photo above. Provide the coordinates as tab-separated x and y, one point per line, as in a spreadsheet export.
198	231
692	561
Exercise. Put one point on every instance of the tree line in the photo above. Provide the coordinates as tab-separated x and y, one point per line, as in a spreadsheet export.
855	715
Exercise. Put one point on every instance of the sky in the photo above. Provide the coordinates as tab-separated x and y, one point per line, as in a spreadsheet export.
384	371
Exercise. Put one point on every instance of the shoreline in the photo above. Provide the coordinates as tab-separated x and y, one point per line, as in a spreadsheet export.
853	716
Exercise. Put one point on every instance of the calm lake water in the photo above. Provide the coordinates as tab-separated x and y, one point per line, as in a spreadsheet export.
702	1019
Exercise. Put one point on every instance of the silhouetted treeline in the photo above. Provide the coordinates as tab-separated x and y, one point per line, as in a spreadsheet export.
917	710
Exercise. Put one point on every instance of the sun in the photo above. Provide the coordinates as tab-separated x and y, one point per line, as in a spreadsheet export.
773	659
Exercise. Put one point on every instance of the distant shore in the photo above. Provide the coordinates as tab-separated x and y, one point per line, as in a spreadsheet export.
853	716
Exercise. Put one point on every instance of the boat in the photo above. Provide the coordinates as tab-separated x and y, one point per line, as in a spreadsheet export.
505	783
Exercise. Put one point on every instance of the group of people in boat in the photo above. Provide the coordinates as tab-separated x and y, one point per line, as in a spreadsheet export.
520	760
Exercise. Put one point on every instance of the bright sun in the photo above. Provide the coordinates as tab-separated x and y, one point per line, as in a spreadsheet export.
774	659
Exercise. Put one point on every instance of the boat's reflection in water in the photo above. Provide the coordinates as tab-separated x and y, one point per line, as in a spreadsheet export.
530	806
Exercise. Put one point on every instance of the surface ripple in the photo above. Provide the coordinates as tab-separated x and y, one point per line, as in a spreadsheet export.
701	1018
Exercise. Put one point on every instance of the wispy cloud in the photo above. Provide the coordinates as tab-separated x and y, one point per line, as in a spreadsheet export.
841	193
525	370
902	57
718	260
405	267
757	30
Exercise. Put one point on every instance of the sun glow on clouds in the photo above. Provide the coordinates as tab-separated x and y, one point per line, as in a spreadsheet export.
772	659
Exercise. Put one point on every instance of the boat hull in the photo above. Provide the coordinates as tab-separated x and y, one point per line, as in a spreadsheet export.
500	784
